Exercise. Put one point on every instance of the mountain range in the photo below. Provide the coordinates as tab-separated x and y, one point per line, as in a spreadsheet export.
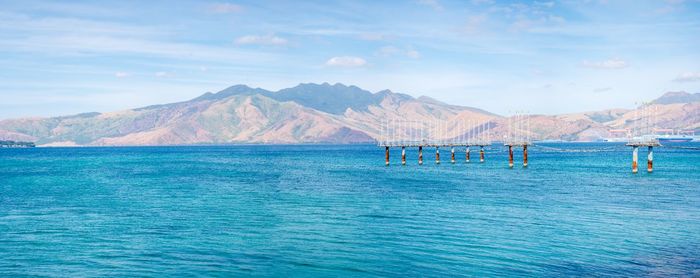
323	113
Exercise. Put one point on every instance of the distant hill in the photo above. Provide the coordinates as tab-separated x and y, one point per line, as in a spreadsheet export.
311	113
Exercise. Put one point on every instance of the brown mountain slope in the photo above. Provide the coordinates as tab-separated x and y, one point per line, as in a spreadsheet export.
241	114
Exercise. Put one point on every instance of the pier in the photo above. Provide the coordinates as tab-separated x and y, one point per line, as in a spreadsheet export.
467	134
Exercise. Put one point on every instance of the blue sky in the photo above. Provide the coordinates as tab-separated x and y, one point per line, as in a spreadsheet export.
546	57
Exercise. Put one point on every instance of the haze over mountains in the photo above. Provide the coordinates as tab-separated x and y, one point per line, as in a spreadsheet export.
316	113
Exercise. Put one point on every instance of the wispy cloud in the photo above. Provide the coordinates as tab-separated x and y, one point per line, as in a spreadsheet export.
413	54
600	90
225	8
474	24
688	77
548	4
614	63
161	74
391	50
203	44
435	4
521	25
372	36
261	40
346	61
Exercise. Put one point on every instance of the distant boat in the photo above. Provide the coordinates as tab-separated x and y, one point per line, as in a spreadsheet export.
613	139
675	138
550	141
15	144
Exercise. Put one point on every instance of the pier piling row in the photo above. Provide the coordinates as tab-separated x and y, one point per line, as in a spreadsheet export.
453	152
436	134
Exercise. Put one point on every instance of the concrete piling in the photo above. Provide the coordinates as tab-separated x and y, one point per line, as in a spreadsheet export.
387	156
510	156
437	155
650	160
525	156
420	155
403	155
635	151
481	153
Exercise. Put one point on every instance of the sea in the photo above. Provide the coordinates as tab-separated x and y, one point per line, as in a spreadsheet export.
338	211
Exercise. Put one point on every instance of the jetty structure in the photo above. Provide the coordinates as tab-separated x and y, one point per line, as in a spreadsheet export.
644	141
643	134
518	135
452	134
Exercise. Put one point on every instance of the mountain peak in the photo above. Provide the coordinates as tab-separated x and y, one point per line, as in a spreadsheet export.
677	97
239	89
323	85
333	99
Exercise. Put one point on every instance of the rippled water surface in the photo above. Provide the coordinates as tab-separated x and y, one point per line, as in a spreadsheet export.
577	210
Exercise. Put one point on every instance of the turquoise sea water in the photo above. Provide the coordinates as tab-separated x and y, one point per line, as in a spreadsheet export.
338	211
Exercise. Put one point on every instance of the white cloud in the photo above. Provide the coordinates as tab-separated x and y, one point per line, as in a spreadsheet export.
121	74
161	74
226	8
688	77
261	40
600	90
614	63
432	3
346	61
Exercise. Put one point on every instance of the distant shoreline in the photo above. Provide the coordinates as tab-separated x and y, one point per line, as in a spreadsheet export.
303	144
